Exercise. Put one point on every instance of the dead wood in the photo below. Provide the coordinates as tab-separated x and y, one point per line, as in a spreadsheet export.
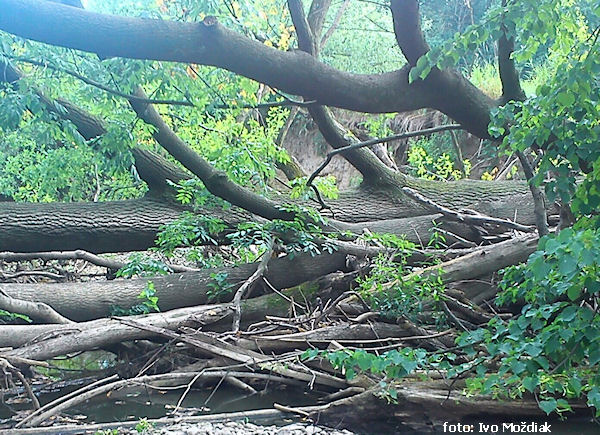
473	219
170	380
105	332
47	341
482	261
375	334
8	370
96	299
89	394
423	406
64	398
253	415
247	287
212	345
79	254
37	311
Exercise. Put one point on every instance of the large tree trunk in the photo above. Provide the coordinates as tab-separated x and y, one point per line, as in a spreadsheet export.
95	226
95	299
132	225
91	300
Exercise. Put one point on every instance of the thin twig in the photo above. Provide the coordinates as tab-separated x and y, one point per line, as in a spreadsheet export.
454	319
541	218
375	141
7	367
248	285
472	219
98	85
64	398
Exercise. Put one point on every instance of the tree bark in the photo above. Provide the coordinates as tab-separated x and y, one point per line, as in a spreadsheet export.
483	261
106	332
209	43
102	227
95	299
132	225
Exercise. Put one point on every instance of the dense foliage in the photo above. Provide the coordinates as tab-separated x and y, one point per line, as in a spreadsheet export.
552	347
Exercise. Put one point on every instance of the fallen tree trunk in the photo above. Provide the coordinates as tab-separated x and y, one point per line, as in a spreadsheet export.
424	407
483	261
372	334
132	225
115	226
275	304
95	299
106	332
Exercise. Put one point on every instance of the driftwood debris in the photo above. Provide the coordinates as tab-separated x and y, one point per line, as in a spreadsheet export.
276	325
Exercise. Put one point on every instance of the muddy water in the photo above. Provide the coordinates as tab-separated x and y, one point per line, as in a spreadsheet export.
224	399
121	407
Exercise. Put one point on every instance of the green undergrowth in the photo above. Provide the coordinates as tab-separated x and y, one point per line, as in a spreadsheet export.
549	350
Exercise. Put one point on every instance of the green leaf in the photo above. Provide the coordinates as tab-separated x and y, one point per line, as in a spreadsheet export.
568	313
530	383
593	397
413	75
363	361
574	292
567	264
575	385
566	99
310	354
548	406
533	349
350	374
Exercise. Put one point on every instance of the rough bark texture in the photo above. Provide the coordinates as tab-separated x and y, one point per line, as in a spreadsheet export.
485	260
322	337
327	287
155	171
457	97
105	332
132	225
103	227
91	300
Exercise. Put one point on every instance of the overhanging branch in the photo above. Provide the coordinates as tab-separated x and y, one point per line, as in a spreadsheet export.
336	136
209	43
215	181
100	86
377	141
